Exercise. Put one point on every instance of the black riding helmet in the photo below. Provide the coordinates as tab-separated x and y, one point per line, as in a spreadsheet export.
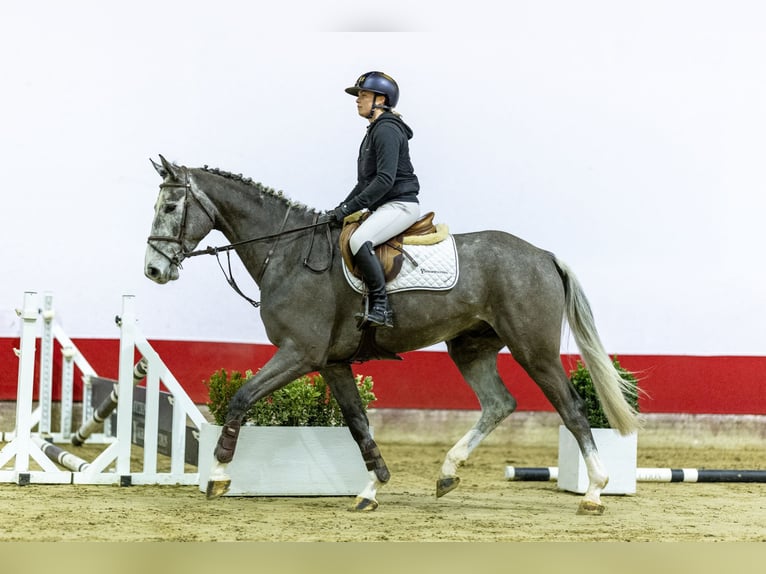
378	83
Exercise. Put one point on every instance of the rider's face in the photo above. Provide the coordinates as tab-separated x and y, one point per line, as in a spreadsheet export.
364	102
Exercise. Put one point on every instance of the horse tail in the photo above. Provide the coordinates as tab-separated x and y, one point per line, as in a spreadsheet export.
610	385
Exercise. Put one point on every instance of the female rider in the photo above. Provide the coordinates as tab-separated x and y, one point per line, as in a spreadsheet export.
386	186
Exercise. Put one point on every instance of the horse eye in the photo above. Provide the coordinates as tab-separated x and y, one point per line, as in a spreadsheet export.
169	208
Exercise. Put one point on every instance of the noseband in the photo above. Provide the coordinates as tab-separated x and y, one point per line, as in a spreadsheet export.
180	238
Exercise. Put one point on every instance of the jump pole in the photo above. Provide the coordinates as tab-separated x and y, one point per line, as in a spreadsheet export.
61	456
108	405
546	473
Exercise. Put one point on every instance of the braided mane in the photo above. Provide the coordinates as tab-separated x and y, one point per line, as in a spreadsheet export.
259	187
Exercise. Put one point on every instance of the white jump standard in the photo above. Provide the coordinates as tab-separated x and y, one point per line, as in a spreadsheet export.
113	464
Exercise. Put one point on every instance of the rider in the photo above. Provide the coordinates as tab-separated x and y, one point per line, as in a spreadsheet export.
386	185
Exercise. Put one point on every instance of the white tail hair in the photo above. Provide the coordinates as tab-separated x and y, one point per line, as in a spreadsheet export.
610	385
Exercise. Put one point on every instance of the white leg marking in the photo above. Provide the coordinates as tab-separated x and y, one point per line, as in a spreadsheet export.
371	489
218	472
597	478
459	453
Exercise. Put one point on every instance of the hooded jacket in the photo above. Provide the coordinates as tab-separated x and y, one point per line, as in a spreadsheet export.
384	169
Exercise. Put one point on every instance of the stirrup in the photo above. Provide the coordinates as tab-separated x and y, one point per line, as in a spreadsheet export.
365	319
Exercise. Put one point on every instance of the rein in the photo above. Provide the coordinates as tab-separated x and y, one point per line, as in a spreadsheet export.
215	250
275	236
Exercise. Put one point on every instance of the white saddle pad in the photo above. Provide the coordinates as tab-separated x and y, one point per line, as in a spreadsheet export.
436	269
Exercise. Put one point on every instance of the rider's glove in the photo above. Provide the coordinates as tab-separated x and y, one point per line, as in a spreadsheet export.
337	215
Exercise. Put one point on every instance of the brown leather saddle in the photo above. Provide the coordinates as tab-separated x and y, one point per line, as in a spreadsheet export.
391	253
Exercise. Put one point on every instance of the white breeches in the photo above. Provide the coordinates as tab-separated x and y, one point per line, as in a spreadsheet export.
388	220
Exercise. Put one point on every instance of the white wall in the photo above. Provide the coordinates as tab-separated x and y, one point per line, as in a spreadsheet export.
626	137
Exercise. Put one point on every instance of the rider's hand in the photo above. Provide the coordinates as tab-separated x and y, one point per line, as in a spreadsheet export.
337	215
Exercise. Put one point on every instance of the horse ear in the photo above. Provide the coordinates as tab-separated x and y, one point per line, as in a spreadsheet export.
167	169
158	168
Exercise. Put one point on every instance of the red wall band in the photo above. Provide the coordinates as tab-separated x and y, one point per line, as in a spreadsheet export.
429	379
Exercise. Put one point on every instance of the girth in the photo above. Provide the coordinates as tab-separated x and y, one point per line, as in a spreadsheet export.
391	253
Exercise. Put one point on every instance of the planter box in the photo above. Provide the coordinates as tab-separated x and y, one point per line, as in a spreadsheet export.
288	461
618	454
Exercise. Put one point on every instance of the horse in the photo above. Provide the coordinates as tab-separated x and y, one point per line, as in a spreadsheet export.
510	293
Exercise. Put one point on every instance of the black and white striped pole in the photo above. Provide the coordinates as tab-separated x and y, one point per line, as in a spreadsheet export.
61	456
547	473
108	405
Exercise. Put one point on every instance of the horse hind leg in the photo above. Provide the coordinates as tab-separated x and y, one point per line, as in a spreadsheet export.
476	358
552	380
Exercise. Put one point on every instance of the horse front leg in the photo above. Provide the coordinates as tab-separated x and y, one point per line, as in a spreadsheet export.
284	367
340	379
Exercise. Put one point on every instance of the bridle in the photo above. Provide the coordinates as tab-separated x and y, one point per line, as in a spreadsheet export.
179	239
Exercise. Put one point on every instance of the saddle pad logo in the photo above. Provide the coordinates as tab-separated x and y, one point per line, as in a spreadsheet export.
436	269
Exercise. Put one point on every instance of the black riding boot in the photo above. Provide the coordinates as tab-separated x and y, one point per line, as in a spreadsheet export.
378	312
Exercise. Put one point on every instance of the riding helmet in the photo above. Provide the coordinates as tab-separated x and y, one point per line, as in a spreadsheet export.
378	83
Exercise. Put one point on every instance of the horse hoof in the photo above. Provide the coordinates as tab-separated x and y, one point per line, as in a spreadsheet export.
362	504
217	488
445	485
590	508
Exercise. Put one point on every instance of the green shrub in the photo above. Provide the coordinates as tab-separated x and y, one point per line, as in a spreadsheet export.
306	401
582	382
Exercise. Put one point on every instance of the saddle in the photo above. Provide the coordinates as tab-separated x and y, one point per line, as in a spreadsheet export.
392	253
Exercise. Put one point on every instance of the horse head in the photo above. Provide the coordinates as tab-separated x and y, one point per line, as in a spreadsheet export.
183	215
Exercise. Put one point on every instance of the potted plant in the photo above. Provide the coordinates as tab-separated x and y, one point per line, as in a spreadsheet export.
293	443
618	453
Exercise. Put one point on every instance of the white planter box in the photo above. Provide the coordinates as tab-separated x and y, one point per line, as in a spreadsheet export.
618	454
288	461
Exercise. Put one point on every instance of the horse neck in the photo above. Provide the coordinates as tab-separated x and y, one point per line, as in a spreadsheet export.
245	212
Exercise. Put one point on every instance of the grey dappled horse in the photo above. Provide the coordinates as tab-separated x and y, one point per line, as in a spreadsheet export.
510	294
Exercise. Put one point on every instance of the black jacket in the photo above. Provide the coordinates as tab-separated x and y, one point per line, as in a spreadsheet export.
384	169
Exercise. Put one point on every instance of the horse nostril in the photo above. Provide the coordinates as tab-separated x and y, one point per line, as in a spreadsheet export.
152	271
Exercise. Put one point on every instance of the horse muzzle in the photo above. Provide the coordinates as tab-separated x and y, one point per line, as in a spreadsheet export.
160	266
161	273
